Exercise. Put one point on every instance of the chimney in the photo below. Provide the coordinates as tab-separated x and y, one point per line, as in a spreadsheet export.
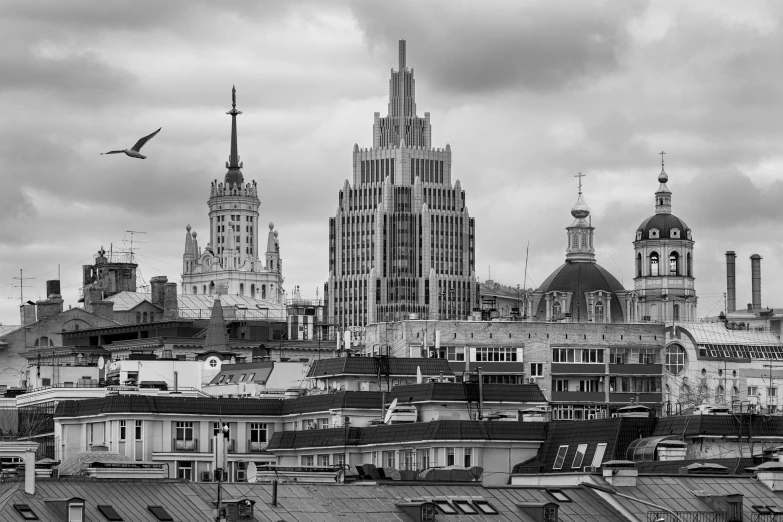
49	307
170	304
92	294
104	309
731	282
53	289
620	473
157	285
755	271
27	313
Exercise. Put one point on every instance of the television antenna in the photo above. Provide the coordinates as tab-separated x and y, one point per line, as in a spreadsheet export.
21	286
131	251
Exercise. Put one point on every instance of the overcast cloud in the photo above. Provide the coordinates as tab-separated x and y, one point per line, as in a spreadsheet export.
527	94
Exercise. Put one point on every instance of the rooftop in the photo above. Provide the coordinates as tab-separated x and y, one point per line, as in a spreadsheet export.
462	392
375	365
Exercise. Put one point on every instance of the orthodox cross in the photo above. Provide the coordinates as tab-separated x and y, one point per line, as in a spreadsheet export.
661	155
580	176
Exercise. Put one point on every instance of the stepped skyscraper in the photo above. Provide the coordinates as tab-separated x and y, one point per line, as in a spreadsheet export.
402	243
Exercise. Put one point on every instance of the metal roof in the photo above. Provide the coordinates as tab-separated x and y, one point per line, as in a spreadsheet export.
124	301
397	366
643	450
717	333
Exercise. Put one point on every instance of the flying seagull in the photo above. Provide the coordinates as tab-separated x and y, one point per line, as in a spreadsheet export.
134	152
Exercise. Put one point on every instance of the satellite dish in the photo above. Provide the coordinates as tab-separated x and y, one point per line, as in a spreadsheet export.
252	472
387	417
393	404
101	362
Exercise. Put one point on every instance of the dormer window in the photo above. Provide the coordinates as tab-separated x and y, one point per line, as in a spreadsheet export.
75	512
674	233
638	235
655	233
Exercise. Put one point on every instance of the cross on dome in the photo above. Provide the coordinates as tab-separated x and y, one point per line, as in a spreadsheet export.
580	176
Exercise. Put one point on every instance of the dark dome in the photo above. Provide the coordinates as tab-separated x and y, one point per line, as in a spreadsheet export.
234	176
578	278
664	223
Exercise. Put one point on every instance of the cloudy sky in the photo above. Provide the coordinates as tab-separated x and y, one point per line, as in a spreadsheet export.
527	94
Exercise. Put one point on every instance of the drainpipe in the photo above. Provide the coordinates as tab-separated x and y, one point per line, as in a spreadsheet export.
481	394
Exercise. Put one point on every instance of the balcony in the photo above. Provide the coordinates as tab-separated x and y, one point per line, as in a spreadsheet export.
578	369
635	369
577	396
185	445
256	446
686	516
627	397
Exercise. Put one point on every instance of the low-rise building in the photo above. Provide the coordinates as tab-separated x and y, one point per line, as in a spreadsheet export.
374	373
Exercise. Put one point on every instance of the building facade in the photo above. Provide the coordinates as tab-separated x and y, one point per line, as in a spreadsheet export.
402	241
232	261
663	250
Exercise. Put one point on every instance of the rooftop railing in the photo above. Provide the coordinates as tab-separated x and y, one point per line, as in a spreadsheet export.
685	516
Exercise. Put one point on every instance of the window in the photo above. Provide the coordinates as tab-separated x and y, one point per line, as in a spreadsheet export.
578	355
445	507
753	391
388	459
26	512
654	264
466	507
676	312
449	456
75	512
455	353
241	378
617	356
307	460
485	507
322	460
160	513
557	310
338	459
138	430
468	457
638	262
184	431
675	359
496	354
600	450
589	385
560	458
772	392
375	458
427	512
185	470
251	377
122	430
560	385
599	312
536	369
579	457
674	263
559	495
110	513
258	432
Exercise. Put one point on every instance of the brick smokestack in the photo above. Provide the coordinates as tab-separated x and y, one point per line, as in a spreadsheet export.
755	271
157	285
170	305
731	282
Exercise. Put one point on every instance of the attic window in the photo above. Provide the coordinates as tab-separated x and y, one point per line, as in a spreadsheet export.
561	454
762	510
674	233
160	513
26	512
465	507
559	495
580	455
427	512
485	507
109	512
445	507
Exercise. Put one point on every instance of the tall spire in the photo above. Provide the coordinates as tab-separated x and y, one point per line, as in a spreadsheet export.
234	175
580	233
402	54
663	197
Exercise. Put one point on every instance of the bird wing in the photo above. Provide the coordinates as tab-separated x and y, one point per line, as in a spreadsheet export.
113	152
145	139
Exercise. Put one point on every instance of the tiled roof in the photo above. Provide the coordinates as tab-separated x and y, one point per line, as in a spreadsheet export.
725	425
462	392
410	432
74	464
617	433
184	405
327	401
261	369
369	366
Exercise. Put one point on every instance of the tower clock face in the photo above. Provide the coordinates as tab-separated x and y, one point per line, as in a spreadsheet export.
208	263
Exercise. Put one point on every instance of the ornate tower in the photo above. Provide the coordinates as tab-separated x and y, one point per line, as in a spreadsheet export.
402	241
663	250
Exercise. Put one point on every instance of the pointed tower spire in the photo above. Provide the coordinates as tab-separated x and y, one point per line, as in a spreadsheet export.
217	338
663	197
234	175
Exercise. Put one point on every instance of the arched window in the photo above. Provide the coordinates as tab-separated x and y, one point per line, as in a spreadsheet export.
654	264
599	312
152	317
241	288
263	291
676	312
639	265
44	341
689	267
584	241
556	310
675	359
195	289
721	395
138	317
674	263
253	291
144	320
574	241
211	287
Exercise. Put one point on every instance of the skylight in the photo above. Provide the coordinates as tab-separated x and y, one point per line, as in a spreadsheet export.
26	512
580	455
445	507
109	512
598	458
561	454
160	513
485	507
559	495
465	507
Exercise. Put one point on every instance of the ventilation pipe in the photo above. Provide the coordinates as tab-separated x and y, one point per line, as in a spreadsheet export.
755	269
731	282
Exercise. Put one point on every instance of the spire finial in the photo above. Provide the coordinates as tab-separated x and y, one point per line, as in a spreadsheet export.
580	176
662	177
233	97
402	54
233	159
